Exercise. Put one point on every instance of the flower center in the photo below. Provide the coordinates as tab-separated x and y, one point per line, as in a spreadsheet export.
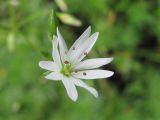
66	69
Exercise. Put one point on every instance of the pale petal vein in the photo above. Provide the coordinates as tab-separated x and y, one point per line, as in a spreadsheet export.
92	63
92	74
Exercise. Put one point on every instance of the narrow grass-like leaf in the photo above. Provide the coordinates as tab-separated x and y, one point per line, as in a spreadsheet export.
53	23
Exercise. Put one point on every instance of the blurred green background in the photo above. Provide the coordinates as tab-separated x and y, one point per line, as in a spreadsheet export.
129	32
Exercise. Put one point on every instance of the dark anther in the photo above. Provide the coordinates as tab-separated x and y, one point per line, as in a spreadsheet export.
85	53
66	62
84	73
73	48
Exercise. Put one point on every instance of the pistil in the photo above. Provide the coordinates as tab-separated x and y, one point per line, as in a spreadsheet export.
66	69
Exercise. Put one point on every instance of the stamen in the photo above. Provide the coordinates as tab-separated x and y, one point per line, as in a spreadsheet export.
73	48
66	62
84	73
85	53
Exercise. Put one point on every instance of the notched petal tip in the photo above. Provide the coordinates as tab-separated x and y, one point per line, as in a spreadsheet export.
89	28
40	63
96	34
70	88
112	73
109	74
108	60
96	94
74	98
43	64
111	59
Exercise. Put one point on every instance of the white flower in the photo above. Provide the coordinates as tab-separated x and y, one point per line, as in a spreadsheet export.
69	67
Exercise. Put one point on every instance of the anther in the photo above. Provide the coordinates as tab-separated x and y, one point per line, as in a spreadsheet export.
84	73
73	48
66	62
85	53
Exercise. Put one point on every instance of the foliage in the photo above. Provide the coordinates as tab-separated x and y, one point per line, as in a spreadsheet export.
129	31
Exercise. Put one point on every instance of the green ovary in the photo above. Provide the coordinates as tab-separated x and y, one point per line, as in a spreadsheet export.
66	70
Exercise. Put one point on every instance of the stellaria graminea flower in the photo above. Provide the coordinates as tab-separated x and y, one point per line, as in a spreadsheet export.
69	67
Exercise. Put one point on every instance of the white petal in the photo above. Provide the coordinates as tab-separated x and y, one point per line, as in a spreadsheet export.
54	76
80	83
79	54
49	65
62	45
70	87
79	41
55	52
93	74
93	63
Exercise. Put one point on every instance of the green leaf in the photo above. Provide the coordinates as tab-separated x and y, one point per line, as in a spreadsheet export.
53	23
61	4
11	41
69	19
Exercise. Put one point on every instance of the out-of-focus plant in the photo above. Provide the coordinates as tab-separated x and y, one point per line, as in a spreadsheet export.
129	31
